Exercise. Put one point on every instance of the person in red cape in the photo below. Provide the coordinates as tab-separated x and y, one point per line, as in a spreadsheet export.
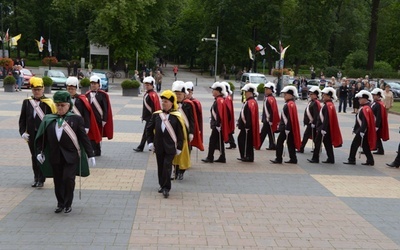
289	127
249	125
101	107
151	104
270	116
231	115
327	127
311	114
364	130
218	124
381	119
199	112
82	108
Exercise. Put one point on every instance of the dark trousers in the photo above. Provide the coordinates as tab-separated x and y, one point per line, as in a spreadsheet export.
215	143
342	103
350	99
397	159
37	173
357	141
266	130
231	141
158	87
309	133
96	148
245	142
326	139
144	137
379	145
164	169
64	182
290	144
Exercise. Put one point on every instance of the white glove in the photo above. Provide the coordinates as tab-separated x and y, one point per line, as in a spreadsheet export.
92	161
312	125
190	137
362	134
103	123
86	130
178	152
25	136
376	129
151	146
41	158
219	129
323	132
270	123
287	132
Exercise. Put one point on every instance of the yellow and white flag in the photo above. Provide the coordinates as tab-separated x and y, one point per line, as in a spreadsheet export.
14	40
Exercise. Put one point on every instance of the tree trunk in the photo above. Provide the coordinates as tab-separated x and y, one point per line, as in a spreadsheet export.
373	34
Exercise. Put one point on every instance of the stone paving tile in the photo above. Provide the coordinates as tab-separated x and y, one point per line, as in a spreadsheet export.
360	186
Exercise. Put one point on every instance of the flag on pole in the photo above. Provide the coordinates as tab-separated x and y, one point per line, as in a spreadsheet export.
260	49
40	43
14	40
280	46
273	48
49	46
283	52
251	54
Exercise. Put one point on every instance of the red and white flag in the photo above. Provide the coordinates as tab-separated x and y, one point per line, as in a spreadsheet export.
260	49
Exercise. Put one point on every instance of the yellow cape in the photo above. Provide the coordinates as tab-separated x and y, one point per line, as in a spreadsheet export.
49	103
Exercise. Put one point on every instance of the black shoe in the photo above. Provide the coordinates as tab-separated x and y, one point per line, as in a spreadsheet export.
34	184
239	159
379	153
291	161
312	161
271	148
180	176
231	147
39	184
138	149
160	189
329	161
392	165
58	210
300	151
165	192
68	210
247	160
350	162
221	160
206	160
276	161
367	164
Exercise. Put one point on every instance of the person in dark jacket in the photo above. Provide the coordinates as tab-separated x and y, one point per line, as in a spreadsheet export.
311	116
343	92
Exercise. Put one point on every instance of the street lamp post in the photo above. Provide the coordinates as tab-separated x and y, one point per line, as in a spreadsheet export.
214	38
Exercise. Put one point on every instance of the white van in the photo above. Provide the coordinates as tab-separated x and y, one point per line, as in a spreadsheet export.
252	78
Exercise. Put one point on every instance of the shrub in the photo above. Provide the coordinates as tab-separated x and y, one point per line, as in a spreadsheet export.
9	80
356	60
7	63
260	88
384	66
130	84
278	72
50	60
331	71
47	81
232	86
85	82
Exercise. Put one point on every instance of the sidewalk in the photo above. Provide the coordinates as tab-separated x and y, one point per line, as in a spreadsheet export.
217	206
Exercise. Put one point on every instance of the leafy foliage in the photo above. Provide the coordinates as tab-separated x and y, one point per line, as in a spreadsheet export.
9	80
47	81
130	84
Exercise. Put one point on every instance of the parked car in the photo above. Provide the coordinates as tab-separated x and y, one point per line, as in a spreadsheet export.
103	80
27	76
313	82
395	88
58	77
252	78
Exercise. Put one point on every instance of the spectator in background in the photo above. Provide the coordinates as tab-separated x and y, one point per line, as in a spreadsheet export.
343	92
175	70
339	75
75	67
388	101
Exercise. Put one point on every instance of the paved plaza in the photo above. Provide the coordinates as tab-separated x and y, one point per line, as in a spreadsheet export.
235	205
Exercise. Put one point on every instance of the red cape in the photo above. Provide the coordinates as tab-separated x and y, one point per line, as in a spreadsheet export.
221	106
370	118
108	129
384	131
196	142
275	116
294	119
336	135
94	132
255	123
229	106
199	111
155	99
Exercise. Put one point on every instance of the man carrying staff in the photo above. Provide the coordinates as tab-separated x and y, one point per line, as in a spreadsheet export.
81	107
218	124
101	106
364	130
63	147
151	104
167	136
248	124
311	116
327	126
33	111
270	116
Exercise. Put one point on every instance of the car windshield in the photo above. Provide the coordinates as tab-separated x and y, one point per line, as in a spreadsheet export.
26	72
395	85
56	74
101	75
257	79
